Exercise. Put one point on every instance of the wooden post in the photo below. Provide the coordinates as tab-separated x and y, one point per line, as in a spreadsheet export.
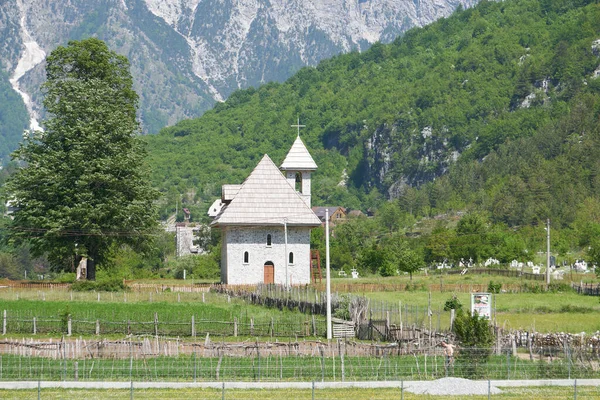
97	327
272	327
156	324
76	365
251	326
235	327
387	325
69	326
203	297
34	326
193	326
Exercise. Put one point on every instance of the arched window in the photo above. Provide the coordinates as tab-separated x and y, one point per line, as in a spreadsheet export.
298	182
291	258
246	257
269	239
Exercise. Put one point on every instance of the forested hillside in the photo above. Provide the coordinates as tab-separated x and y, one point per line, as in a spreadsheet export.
13	118
494	108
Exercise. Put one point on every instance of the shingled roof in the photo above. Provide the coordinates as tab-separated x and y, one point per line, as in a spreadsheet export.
266	198
299	158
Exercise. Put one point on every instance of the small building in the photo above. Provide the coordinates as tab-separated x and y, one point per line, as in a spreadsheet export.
336	214
266	222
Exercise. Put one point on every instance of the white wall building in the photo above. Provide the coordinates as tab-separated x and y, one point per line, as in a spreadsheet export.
266	223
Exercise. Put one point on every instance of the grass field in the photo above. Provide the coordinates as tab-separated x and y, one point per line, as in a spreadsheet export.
291	368
541	312
526	393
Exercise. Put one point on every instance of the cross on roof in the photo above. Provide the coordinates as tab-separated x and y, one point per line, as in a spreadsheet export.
298	126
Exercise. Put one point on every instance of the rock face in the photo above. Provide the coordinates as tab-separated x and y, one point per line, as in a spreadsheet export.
187	54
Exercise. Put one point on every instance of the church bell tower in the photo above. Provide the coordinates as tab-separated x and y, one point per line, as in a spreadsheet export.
298	167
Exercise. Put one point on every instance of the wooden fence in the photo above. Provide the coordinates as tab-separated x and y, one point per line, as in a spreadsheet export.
501	272
588	289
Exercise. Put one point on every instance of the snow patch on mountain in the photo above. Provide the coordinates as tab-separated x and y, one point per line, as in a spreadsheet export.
32	56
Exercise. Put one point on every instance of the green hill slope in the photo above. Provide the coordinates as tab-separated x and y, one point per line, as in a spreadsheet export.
494	108
13	118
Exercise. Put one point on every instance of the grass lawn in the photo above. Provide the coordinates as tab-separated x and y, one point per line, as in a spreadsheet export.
542	312
526	393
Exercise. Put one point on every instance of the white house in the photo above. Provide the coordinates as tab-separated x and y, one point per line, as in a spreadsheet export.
266	222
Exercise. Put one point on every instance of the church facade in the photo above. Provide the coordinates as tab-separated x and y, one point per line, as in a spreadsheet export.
266	221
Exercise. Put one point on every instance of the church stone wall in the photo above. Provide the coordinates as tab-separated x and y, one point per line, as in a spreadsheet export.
238	240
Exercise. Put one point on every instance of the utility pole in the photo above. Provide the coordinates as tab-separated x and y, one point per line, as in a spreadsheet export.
548	251
328	275
286	256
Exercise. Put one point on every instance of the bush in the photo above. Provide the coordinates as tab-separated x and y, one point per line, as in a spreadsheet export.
476	339
110	285
494	287
453	304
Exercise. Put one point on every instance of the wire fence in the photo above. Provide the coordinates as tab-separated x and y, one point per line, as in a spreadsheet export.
145	361
573	389
165	324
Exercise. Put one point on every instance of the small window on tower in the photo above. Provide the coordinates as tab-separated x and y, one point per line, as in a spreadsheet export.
298	182
291	258
269	240
246	257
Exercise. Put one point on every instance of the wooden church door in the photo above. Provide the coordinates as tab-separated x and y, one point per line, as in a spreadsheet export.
269	272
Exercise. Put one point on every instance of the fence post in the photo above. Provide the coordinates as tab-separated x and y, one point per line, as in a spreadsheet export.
97	327
203	297
34	326
195	366
130	361
252	326
64	351
156	324
235	326
272	327
313	390
193	326
575	389
508	364
4	324
69	326
76	367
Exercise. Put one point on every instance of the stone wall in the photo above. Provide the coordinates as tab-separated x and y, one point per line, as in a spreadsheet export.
238	240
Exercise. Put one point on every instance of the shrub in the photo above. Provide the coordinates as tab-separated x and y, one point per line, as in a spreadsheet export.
453	304
109	285
476	339
494	287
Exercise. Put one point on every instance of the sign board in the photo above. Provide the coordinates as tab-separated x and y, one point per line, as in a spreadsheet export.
481	303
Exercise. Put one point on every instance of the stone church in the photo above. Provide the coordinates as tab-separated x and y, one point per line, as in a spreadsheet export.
266	221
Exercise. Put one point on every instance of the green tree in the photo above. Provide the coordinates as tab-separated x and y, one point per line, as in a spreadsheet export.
84	186
476	339
401	255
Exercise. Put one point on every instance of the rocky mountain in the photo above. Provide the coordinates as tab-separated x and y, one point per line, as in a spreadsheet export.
188	54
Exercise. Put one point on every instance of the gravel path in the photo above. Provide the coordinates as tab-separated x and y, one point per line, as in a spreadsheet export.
451	386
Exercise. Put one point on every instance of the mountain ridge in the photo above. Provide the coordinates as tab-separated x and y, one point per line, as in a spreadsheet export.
186	55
